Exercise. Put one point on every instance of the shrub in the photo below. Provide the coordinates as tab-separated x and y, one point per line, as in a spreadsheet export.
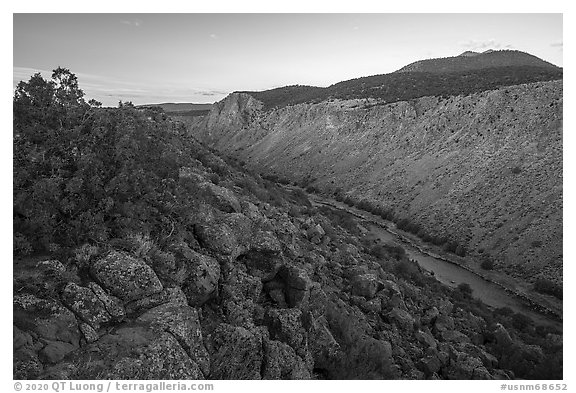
451	246
460	251
548	287
84	254
487	264
465	289
382	251
140	244
521	321
504	311
536	244
312	190
349	201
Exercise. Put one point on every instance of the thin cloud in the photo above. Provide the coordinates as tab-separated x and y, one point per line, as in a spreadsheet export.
557	45
134	23
213	36
482	45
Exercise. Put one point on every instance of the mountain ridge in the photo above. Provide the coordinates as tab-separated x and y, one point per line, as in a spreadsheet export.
470	60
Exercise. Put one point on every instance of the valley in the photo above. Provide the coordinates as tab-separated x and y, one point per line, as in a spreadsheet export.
398	226
482	170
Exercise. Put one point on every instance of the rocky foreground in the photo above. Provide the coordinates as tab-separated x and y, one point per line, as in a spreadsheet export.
263	287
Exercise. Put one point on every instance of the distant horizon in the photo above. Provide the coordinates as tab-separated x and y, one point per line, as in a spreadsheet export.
201	58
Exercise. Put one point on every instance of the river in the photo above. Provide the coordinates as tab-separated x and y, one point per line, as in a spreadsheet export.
448	273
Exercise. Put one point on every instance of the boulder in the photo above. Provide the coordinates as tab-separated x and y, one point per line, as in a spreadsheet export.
321	344
183	323
454	336
126	277
219	197
282	362
466	367
402	318
168	295
134	352
443	323
429	365
25	364
429	317
201	283
264	258
371	306
445	307
54	351
20	338
424	337
315	233
217	237
88	332
502	336
297	285
47	319
51	265
365	285
112	304
286	325
84	303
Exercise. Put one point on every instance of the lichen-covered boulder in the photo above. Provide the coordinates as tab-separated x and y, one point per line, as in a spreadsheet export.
44	332
85	304
183	323
112	304
126	277
47	319
202	280
135	352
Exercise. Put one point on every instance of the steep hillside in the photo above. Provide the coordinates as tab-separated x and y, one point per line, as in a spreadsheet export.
403	86
474	61
483	170
140	254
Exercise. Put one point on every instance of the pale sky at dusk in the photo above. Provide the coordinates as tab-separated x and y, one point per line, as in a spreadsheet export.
147	58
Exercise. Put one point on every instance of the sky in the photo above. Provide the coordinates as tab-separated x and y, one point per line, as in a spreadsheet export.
153	58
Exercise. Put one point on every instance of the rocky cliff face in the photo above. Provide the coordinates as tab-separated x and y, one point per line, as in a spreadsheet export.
485	170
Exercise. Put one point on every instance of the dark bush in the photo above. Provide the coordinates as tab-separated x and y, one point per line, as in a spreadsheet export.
536	244
349	201
487	264
548	287
521	321
460	251
465	289
504	311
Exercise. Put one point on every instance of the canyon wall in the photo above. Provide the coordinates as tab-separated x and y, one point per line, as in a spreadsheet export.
485	170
